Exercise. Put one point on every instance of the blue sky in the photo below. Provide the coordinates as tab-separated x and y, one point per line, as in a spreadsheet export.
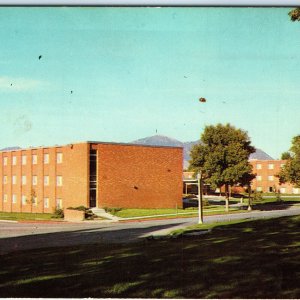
133	71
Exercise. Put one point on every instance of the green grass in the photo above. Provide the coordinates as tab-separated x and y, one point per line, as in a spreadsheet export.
192	211
14	216
249	259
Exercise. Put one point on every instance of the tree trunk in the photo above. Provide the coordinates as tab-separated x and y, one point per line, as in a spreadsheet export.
226	198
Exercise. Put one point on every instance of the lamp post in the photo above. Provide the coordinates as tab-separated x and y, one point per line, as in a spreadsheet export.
200	208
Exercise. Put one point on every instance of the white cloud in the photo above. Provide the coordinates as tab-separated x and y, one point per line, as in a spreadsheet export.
18	84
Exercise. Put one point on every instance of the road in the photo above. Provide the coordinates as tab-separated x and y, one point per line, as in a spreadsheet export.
22	236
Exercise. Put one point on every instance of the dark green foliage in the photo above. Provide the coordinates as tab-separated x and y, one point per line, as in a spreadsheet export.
286	155
291	171
295	14
223	155
58	214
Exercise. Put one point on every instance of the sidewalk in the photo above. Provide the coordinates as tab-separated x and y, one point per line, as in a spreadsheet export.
251	215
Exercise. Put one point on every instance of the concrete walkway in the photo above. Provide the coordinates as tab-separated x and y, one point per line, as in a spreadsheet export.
289	211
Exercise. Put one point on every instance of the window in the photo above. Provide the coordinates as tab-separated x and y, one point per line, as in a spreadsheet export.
259	188
258	166
14	179
23	179
14	198
258	178
295	191
34	180
271	189
5	161
282	165
271	178
14	160
24	200
46	180
46	158
270	166
34	201
4	197
4	179
59	157
34	159
59	180
46	202
283	190
59	203
24	158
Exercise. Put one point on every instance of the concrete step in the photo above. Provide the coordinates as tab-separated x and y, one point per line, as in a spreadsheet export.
100	212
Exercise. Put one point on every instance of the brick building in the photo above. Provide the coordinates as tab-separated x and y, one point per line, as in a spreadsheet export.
266	180
92	174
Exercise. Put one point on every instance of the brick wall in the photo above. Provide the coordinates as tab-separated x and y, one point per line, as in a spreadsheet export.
132	176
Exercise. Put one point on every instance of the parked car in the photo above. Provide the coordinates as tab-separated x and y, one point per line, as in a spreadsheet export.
189	202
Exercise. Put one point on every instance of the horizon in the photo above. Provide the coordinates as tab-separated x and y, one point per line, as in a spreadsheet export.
122	74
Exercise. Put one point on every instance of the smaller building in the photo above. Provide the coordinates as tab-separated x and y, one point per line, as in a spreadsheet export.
267	180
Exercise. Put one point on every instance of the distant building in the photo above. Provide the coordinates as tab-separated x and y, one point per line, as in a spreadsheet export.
90	174
266	179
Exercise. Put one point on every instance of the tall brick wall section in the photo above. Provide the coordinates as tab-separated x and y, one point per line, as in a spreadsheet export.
132	176
73	169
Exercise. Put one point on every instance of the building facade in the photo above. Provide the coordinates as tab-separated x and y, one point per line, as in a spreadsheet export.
91	174
266	179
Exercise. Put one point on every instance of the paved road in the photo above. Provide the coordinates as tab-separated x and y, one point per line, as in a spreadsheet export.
21	236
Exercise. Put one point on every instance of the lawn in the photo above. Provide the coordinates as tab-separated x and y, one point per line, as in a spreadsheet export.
252	259
189	212
14	216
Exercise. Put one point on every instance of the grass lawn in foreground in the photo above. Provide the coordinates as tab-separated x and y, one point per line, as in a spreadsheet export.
251	259
15	216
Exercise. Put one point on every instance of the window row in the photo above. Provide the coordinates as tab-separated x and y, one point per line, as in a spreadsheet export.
33	200
270	178
270	166
34	180
34	158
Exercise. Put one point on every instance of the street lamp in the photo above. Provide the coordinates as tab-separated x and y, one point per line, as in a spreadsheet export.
200	208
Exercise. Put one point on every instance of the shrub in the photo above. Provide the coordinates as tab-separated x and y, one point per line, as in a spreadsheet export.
257	196
88	214
112	210
58	213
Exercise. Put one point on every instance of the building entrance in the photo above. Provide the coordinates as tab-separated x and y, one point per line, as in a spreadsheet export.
93	178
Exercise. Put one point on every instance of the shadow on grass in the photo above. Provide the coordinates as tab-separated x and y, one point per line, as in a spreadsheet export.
255	259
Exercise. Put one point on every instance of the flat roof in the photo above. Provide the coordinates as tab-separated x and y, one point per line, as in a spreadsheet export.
13	149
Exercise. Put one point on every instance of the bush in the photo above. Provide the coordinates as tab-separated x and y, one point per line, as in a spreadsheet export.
112	210
58	213
88	214
257	196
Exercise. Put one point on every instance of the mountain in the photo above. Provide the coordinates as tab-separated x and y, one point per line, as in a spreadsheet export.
161	140
260	155
10	148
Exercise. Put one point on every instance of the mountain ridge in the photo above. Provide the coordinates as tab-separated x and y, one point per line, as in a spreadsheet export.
162	140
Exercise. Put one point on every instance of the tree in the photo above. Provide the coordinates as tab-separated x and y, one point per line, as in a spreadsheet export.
291	171
286	155
222	156
295	14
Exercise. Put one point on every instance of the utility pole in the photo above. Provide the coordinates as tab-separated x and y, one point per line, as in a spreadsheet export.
200	208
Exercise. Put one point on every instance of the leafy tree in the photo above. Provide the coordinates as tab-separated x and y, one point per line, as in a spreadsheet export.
291	171
222	156
295	14
286	155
